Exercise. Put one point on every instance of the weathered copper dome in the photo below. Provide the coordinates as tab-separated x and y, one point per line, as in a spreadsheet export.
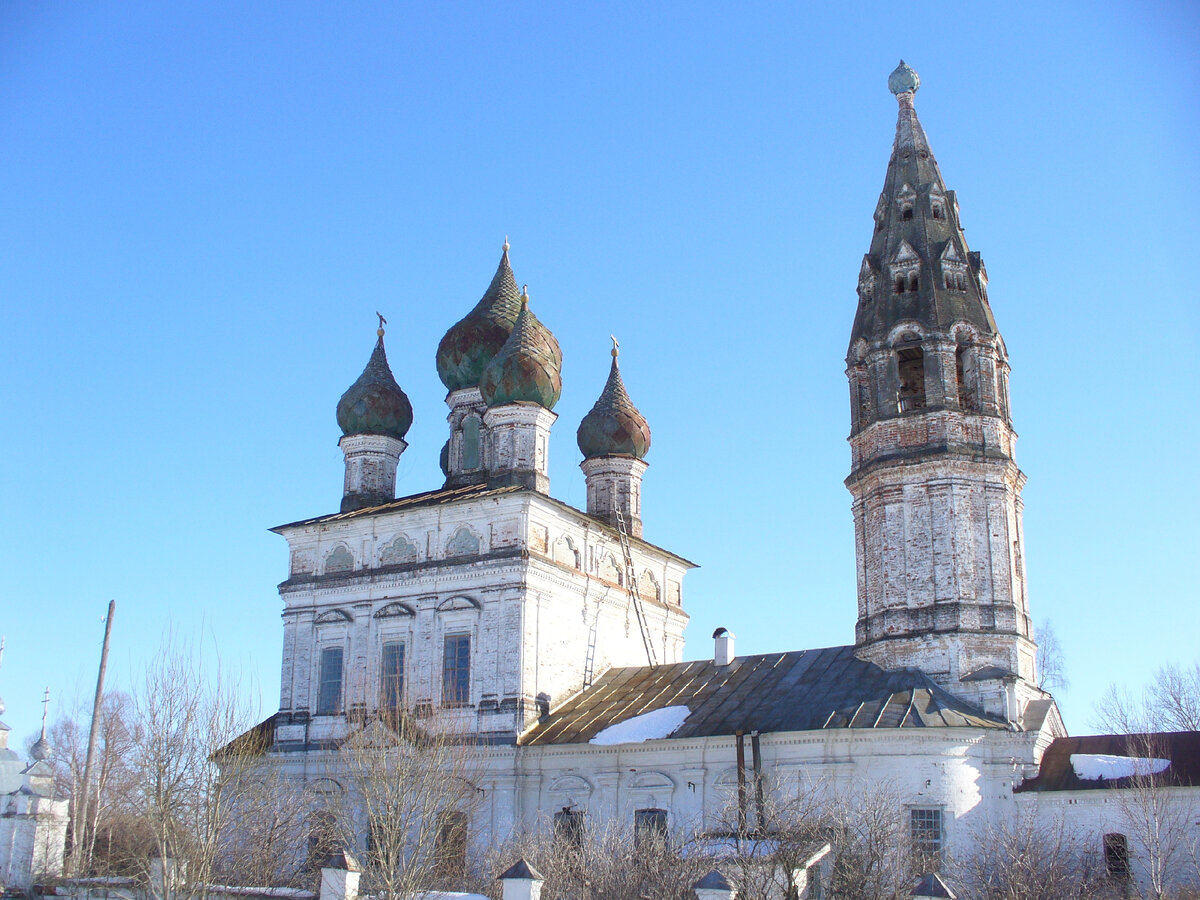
472	343
528	368
375	404
614	427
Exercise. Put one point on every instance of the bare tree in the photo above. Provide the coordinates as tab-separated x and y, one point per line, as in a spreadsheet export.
411	788
873	856
1022	860
1171	702
1051	662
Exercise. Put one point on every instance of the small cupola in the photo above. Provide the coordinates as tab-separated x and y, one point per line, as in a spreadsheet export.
528	368
520	387
374	415
614	427
473	341
613	438
375	404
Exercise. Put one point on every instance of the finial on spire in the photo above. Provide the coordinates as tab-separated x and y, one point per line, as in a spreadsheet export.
524	295
616	350
45	707
506	243
904	80
382	322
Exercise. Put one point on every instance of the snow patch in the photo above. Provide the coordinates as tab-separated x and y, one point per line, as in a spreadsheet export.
651	726
1096	766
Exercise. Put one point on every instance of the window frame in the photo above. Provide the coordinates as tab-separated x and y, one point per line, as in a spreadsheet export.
391	695
335	705
461	696
925	846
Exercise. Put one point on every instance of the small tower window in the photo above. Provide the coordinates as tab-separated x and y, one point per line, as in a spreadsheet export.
899	284
470	443
912	378
968	378
914	283
938	211
906	213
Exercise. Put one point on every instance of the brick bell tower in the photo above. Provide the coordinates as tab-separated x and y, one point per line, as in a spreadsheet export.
937	492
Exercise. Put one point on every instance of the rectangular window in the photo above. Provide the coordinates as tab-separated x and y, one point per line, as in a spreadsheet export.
456	670
568	827
927	832
329	691
450	845
649	825
391	676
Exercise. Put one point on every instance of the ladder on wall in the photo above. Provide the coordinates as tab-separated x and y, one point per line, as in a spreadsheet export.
631	586
589	662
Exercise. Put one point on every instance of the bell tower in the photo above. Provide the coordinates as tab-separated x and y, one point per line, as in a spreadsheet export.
936	488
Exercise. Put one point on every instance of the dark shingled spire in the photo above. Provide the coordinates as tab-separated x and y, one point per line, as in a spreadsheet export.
614	427
473	342
375	404
919	266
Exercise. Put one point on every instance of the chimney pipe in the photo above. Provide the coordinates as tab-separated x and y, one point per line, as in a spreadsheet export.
723	650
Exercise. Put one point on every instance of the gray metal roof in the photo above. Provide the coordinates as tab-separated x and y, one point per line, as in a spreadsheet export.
803	690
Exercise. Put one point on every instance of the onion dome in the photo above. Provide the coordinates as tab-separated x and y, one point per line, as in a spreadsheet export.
41	749
474	341
614	427
375	404
528	368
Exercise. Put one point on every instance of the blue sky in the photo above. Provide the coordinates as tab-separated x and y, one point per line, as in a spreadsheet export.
205	203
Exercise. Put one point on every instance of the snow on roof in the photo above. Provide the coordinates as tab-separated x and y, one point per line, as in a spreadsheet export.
446	895
1094	766
651	726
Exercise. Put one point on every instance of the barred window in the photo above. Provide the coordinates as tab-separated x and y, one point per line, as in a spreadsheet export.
456	670
391	675
927	832
329	690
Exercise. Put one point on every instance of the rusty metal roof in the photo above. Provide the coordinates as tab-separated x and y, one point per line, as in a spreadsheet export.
803	690
1056	773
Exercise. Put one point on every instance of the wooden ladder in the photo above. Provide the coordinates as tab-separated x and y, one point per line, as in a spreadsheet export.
631	586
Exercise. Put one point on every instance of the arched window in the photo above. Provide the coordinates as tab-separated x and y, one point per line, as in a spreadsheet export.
899	284
568	827
450	844
1116	855
938	212
911	369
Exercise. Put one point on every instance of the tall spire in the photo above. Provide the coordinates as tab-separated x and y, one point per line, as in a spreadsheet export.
918	267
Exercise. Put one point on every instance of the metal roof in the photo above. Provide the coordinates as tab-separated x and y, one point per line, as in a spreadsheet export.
802	690
1056	773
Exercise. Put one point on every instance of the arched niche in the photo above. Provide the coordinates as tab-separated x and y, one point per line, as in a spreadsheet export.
332	617
394	609
339	559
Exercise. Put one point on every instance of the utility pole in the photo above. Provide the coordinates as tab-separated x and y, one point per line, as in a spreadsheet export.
80	834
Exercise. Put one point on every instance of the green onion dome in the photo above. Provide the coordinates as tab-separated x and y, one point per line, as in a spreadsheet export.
375	404
473	342
528	368
614	427
904	80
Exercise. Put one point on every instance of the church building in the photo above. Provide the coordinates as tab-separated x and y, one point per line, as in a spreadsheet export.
553	636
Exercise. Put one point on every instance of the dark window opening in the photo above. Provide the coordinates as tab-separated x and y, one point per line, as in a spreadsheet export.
470	443
649	825
456	670
450	845
322	838
913	283
926	834
899	284
937	212
329	690
568	827
912	378
1116	855
391	676
907	213
964	364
